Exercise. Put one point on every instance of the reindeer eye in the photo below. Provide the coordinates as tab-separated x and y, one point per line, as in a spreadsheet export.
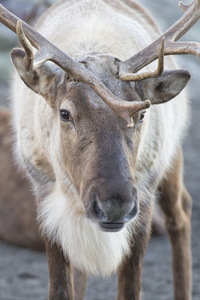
142	116
65	115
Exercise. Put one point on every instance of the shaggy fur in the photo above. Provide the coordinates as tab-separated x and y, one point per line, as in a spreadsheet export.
65	160
38	138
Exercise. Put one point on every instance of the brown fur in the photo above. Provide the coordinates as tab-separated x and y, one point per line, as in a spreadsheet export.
176	204
61	282
130	272
17	205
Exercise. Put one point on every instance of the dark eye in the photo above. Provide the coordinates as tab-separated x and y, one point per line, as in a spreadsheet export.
142	116
65	115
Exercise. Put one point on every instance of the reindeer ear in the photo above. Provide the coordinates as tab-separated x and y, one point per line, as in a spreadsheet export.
42	80
165	87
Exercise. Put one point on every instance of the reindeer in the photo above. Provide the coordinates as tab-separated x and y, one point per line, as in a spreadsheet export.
94	149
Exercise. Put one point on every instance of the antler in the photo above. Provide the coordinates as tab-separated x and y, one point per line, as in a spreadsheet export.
48	51
151	52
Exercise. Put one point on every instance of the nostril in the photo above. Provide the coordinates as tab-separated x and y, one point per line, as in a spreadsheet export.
132	214
97	210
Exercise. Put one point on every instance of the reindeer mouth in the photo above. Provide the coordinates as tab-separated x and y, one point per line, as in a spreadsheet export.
111	227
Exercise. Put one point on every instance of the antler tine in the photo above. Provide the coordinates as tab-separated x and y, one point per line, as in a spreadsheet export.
183	6
155	74
48	51
29	57
175	32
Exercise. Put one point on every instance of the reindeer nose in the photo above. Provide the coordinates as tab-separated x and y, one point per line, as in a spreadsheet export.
115	210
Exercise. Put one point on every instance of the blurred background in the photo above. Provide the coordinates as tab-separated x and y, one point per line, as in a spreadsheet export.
23	272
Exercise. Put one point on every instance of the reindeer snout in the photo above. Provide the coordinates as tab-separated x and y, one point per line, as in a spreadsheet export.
112	210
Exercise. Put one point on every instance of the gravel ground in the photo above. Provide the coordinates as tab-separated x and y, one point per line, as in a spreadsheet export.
24	273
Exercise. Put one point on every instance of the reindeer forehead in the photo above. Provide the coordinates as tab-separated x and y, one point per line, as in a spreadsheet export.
105	68
101	65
